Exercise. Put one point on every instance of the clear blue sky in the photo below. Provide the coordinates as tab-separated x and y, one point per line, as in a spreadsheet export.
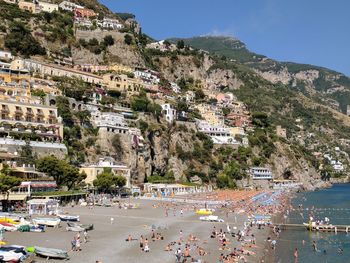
305	31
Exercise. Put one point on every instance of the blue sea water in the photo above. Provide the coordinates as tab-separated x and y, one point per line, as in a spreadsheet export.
333	203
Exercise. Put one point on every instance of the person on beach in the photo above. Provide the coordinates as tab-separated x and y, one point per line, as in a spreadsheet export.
85	234
314	246
141	243
73	243
178	255
146	249
78	242
112	220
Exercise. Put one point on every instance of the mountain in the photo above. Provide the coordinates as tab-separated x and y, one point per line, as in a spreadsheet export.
322	84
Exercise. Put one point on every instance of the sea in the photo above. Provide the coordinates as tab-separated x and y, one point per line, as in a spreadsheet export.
333	203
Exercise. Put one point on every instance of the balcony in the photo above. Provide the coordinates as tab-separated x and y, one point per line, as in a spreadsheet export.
5	111
19	112
30	114
40	114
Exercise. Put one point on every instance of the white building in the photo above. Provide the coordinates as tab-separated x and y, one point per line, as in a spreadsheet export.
11	1
5	55
110	121
169	112
110	23
83	22
175	87
69	6
261	173
219	134
337	166
147	75
162	46
48	7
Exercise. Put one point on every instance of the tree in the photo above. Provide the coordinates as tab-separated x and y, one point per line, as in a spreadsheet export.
260	119
20	40
27	155
108	40
180	44
83	116
106	181
64	111
7	182
120	181
63	173
128	39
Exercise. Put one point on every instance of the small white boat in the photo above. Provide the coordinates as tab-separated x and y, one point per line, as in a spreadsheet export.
10	256
47	221
69	218
211	218
51	252
75	228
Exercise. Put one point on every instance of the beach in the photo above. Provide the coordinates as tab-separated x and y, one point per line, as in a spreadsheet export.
107	242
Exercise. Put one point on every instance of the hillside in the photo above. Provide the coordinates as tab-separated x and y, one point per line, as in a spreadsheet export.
298	98
322	84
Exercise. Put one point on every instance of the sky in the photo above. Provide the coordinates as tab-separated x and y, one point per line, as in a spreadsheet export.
305	31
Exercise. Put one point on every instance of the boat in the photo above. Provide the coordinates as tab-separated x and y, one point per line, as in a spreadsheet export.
87	227
8	227
47	221
37	229
51	253
204	211
20	252
69	218
75	228
211	218
10	256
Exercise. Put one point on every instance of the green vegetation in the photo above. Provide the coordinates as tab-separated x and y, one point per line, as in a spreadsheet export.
63	173
168	178
95	46
7	182
222	46
142	103
106	181
128	39
20	41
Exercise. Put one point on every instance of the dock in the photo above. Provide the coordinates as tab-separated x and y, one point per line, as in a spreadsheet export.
318	228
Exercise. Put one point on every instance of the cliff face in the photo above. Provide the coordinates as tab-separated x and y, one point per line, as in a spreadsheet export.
117	53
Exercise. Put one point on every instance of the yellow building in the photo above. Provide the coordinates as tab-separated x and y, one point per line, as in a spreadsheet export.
14	78
92	170
210	114
122	83
120	68
237	131
29	6
26	116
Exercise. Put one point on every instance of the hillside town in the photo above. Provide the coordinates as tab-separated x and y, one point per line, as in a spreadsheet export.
130	138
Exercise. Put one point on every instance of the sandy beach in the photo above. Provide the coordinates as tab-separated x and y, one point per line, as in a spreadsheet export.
107	242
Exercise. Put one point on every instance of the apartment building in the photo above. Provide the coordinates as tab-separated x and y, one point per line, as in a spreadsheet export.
69	6
54	70
122	83
48	7
109	122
